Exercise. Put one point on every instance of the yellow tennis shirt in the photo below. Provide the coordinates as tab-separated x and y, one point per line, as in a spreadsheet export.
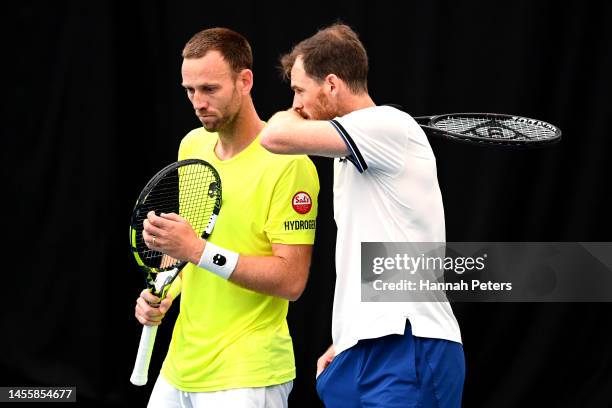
227	336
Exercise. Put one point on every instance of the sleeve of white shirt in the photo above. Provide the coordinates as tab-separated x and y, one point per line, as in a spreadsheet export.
376	137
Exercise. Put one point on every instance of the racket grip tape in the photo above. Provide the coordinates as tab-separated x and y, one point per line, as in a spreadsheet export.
143	358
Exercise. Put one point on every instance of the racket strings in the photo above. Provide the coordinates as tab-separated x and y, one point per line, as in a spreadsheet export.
495	128
192	191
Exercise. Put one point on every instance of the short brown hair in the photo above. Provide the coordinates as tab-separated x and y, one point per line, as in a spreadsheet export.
332	50
235	49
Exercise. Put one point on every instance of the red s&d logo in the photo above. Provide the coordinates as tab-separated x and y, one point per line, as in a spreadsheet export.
301	202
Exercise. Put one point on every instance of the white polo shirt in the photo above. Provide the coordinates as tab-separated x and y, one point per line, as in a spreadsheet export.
387	191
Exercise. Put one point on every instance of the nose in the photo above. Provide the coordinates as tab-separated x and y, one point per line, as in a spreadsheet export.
199	101
297	104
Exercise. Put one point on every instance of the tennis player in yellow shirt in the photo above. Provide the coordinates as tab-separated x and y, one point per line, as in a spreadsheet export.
231	346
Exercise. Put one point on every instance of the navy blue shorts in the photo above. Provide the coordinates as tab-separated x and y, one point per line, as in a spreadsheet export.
395	371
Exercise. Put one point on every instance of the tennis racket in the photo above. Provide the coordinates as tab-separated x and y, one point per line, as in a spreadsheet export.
491	129
192	189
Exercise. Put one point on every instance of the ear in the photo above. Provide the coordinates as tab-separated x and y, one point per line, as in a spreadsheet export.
332	84
244	81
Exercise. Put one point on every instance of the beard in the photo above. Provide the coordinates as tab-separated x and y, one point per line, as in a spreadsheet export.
226	117
321	110
215	124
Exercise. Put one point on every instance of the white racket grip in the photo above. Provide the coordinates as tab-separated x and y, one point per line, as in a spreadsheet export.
141	368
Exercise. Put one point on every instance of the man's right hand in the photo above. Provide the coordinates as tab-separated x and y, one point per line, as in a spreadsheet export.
149	311
325	360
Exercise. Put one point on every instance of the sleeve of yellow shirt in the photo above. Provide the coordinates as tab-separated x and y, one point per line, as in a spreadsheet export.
293	208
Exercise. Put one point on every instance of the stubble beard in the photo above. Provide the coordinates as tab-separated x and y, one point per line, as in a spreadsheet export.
229	113
323	110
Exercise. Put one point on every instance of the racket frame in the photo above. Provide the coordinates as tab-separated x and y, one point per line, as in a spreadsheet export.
148	271
428	124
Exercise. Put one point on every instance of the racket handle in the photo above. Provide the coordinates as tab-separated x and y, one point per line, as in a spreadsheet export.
141	368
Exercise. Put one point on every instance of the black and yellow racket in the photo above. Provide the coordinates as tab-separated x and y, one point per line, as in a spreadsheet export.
192	189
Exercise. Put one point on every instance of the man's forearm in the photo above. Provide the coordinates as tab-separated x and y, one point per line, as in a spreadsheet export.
283	274
272	275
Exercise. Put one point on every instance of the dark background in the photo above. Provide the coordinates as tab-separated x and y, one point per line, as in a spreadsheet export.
93	107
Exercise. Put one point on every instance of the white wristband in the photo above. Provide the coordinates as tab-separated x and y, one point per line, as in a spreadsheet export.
217	260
